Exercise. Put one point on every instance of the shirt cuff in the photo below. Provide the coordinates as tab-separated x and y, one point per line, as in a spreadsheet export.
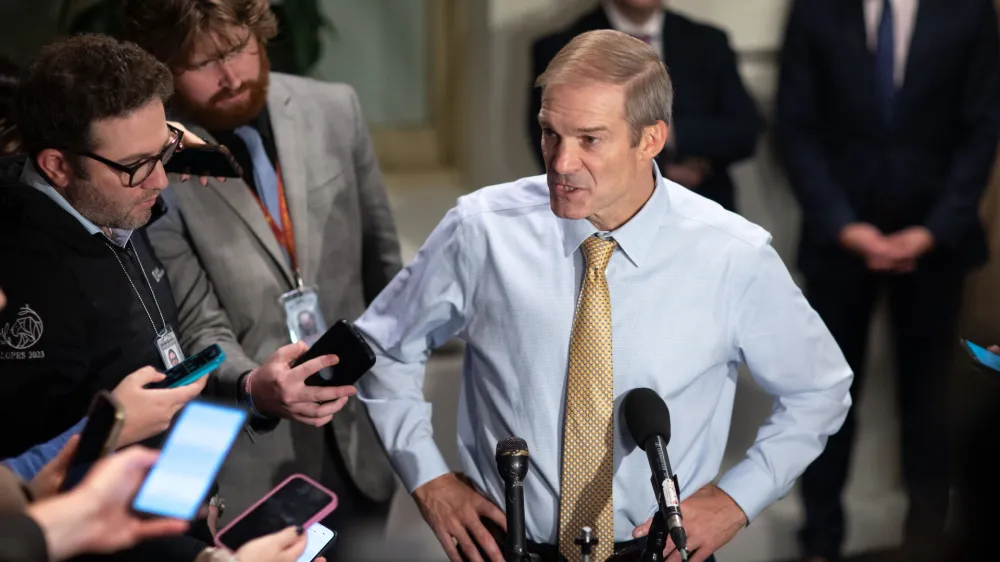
419	464
751	487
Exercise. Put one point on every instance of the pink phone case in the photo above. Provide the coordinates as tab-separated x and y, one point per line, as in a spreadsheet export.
315	518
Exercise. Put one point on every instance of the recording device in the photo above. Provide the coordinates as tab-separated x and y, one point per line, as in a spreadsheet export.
200	440
192	369
318	539
210	160
512	464
648	422
982	356
347	343
297	501
98	438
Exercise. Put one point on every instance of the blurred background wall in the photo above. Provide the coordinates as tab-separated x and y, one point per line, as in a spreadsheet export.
445	84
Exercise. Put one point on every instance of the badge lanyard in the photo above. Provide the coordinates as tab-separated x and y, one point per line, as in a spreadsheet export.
151	291
301	303
166	341
284	233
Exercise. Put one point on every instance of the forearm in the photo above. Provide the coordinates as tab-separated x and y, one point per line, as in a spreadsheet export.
29	463
393	394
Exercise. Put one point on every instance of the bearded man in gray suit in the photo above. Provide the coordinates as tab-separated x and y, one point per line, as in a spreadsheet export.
306	233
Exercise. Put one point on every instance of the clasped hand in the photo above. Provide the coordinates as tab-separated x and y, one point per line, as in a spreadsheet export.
896	253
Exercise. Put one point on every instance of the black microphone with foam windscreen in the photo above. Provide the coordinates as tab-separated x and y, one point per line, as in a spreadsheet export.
512	464
648	422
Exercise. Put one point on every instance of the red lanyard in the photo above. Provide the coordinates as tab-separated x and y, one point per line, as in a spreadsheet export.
284	233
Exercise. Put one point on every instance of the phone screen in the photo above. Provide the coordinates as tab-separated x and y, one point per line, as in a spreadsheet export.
983	355
96	438
318	538
190	459
296	502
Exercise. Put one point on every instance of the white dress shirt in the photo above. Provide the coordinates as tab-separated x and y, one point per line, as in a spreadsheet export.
904	18
695	290
653	28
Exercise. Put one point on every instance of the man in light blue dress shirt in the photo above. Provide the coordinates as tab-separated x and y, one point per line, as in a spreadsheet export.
695	290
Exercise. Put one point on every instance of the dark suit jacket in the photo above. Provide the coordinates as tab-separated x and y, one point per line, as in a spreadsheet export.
928	166
714	117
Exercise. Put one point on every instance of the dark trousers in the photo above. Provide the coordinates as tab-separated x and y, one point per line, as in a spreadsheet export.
924	307
630	551
357	519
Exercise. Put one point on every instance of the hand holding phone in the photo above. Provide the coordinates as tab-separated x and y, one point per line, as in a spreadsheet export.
298	501
96	516
279	390
982	356
150	411
98	437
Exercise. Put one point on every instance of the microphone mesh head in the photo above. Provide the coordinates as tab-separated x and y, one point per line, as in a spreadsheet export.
646	415
512	446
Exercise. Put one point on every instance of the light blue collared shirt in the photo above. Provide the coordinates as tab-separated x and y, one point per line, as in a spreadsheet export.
695	290
30	176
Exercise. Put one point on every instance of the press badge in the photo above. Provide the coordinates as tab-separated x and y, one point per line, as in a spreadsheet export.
302	315
169	347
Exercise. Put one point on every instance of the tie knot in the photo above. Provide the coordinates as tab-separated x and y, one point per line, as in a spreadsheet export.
645	38
597	251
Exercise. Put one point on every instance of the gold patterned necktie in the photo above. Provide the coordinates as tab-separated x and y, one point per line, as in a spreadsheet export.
587	464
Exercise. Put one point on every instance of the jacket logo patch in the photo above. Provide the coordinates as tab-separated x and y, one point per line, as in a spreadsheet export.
158	274
24	332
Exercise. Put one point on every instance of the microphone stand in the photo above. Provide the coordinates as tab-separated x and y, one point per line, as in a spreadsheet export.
587	541
656	540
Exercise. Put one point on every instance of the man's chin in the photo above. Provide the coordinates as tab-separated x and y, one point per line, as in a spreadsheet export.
565	210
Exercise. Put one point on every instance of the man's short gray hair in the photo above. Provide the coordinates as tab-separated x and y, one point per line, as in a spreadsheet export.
617	58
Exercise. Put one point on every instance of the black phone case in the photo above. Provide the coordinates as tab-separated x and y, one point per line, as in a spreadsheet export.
347	343
209	160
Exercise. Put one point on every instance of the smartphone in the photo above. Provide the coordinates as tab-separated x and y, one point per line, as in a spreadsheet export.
347	343
98	438
318	540
982	356
297	501
192	368
191	457
211	160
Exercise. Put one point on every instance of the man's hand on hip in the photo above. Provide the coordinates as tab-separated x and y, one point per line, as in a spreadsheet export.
711	519
281	391
453	509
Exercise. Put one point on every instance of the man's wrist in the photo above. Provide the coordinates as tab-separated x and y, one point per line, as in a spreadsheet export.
245	386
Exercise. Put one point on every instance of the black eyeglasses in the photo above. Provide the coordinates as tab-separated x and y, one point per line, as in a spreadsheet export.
135	174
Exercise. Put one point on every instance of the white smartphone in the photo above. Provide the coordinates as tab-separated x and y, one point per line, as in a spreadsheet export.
318	540
190	460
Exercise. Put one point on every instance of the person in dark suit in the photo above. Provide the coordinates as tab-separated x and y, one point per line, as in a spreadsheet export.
887	121
715	121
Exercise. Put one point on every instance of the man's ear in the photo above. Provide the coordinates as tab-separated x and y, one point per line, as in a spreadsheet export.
55	166
653	139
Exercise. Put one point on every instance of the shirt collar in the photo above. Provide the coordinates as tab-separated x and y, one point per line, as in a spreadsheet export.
32	177
652	28
636	236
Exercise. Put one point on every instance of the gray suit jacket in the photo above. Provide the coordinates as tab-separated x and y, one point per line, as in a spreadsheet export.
227	271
